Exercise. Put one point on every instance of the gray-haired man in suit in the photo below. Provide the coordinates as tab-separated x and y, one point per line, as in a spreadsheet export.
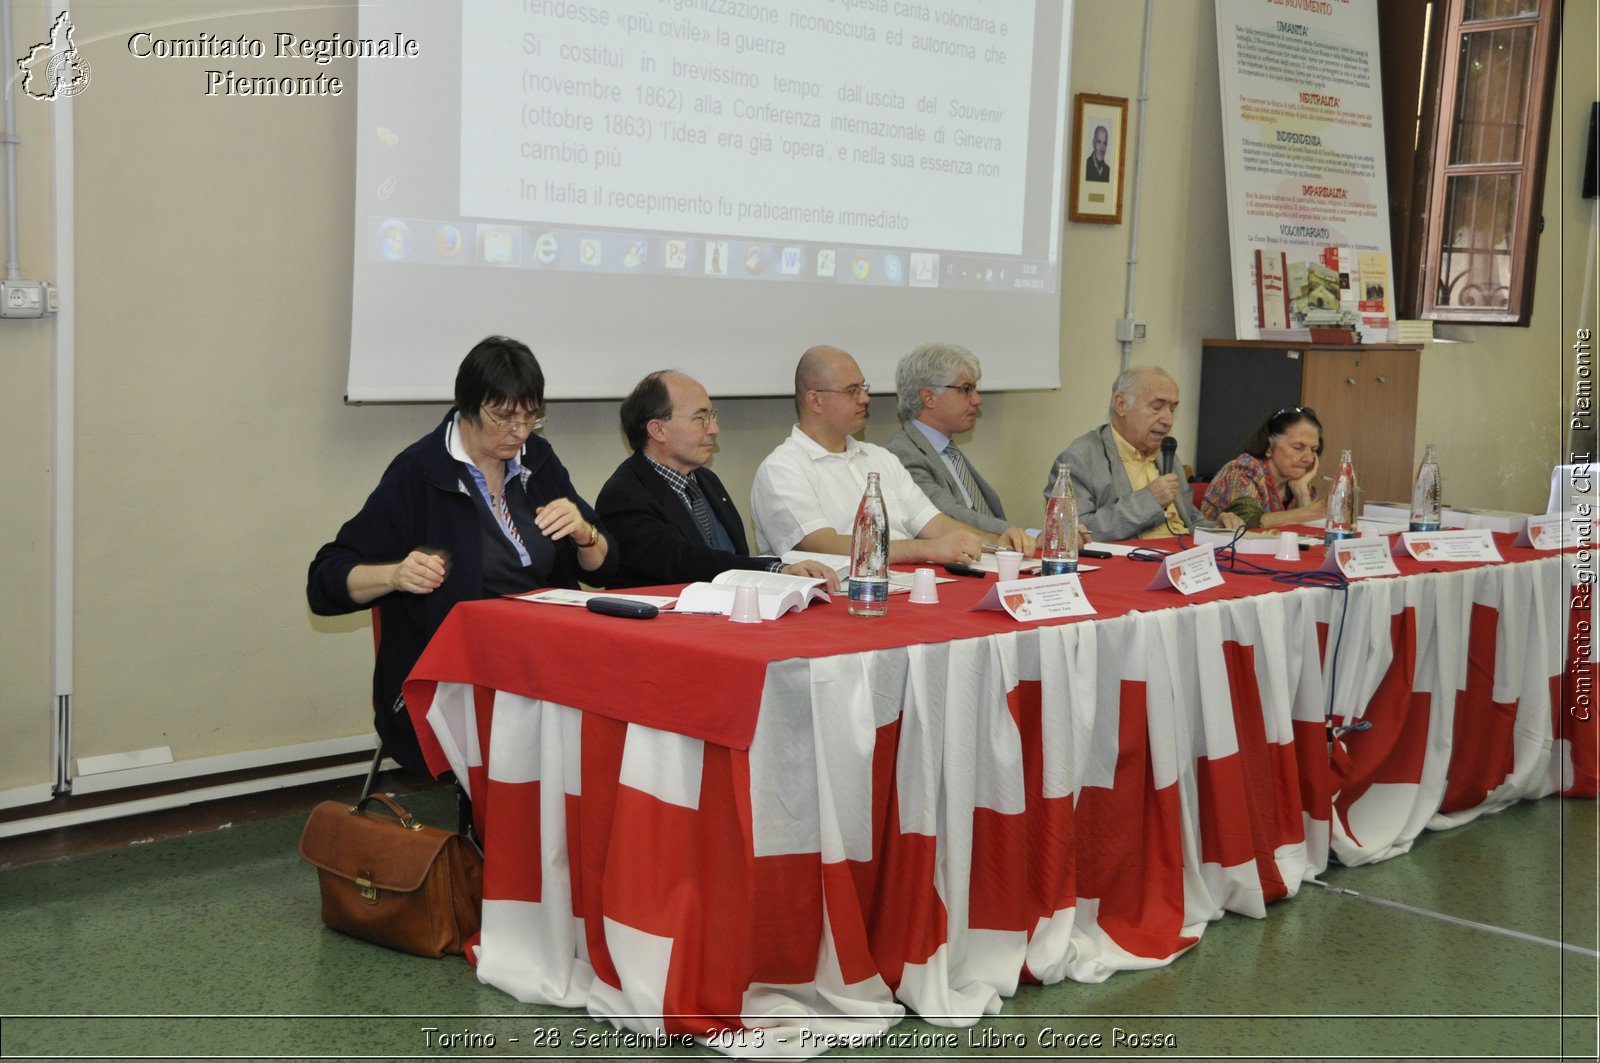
937	384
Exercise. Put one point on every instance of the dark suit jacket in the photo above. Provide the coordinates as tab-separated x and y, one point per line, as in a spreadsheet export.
422	499
656	534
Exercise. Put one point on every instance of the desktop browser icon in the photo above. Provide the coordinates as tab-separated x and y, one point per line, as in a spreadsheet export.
448	243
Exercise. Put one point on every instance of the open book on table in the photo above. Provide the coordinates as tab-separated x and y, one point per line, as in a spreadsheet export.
899	582
778	593
840	563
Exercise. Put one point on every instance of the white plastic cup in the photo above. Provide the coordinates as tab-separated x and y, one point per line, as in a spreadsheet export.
1009	562
746	606
1288	546
923	590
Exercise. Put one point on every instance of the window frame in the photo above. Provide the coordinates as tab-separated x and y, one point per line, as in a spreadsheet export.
1529	169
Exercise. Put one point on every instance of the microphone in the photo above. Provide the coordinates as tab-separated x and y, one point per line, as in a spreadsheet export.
1169	447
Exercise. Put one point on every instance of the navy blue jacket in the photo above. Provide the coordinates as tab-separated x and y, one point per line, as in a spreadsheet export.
659	539
424	499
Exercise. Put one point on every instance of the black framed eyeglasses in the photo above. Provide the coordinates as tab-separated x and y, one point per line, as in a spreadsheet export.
965	389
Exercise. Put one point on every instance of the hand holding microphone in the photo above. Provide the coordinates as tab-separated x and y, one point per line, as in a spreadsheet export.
1165	486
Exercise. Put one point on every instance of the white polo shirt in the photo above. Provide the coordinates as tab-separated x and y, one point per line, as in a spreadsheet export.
801	488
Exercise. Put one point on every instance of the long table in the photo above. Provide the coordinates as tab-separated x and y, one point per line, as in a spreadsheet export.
775	836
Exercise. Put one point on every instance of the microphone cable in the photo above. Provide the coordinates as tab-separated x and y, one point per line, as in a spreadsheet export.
1230	560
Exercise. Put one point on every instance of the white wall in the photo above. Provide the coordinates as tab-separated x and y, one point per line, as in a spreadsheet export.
215	452
25	475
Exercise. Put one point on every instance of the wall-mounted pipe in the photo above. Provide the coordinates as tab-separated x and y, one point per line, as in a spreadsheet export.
64	215
9	141
1138	177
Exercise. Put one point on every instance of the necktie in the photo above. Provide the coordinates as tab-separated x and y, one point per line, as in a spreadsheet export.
964	474
502	512
702	512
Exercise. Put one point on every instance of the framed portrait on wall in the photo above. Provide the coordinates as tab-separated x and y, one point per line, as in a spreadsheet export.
1099	145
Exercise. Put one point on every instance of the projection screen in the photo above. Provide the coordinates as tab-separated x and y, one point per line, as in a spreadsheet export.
712	185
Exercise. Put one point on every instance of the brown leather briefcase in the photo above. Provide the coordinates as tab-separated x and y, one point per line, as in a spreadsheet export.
393	881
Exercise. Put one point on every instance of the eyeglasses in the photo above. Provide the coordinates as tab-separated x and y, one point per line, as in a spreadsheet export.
1296	411
704	418
514	424
965	389
853	392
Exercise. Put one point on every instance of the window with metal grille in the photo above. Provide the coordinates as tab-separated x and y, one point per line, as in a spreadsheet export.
1496	78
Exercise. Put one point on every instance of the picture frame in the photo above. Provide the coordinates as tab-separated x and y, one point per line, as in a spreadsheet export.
1095	192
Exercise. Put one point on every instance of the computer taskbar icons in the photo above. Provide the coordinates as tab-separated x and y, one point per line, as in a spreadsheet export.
504	245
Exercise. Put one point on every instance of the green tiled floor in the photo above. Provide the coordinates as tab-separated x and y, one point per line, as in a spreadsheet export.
216	936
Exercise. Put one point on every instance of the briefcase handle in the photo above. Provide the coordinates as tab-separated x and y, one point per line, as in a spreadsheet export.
407	820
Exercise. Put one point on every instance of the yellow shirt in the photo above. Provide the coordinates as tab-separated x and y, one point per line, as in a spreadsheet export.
1142	472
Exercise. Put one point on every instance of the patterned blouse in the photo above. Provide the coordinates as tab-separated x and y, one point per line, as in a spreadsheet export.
1245	477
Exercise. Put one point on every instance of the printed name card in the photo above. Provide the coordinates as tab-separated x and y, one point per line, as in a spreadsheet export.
1547	532
1189	571
1359	558
1039	598
1470	544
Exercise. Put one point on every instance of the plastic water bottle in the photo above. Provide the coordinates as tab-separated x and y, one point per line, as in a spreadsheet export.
1058	543
1341	523
869	554
1425	493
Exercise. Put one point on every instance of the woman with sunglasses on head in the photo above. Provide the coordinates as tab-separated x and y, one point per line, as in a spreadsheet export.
478	507
1274	481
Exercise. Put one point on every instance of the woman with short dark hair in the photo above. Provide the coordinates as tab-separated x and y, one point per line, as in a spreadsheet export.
1274	481
478	507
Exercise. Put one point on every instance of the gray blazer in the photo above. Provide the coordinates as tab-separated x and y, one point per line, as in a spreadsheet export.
929	472
1107	503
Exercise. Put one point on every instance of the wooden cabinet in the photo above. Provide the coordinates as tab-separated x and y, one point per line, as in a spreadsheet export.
1365	397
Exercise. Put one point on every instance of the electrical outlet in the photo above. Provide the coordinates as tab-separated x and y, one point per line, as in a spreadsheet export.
1130	330
21	299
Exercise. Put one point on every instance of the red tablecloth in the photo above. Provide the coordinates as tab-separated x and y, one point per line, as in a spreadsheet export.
793	829
655	672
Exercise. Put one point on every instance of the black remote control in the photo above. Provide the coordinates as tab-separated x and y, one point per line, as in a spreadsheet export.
622	607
